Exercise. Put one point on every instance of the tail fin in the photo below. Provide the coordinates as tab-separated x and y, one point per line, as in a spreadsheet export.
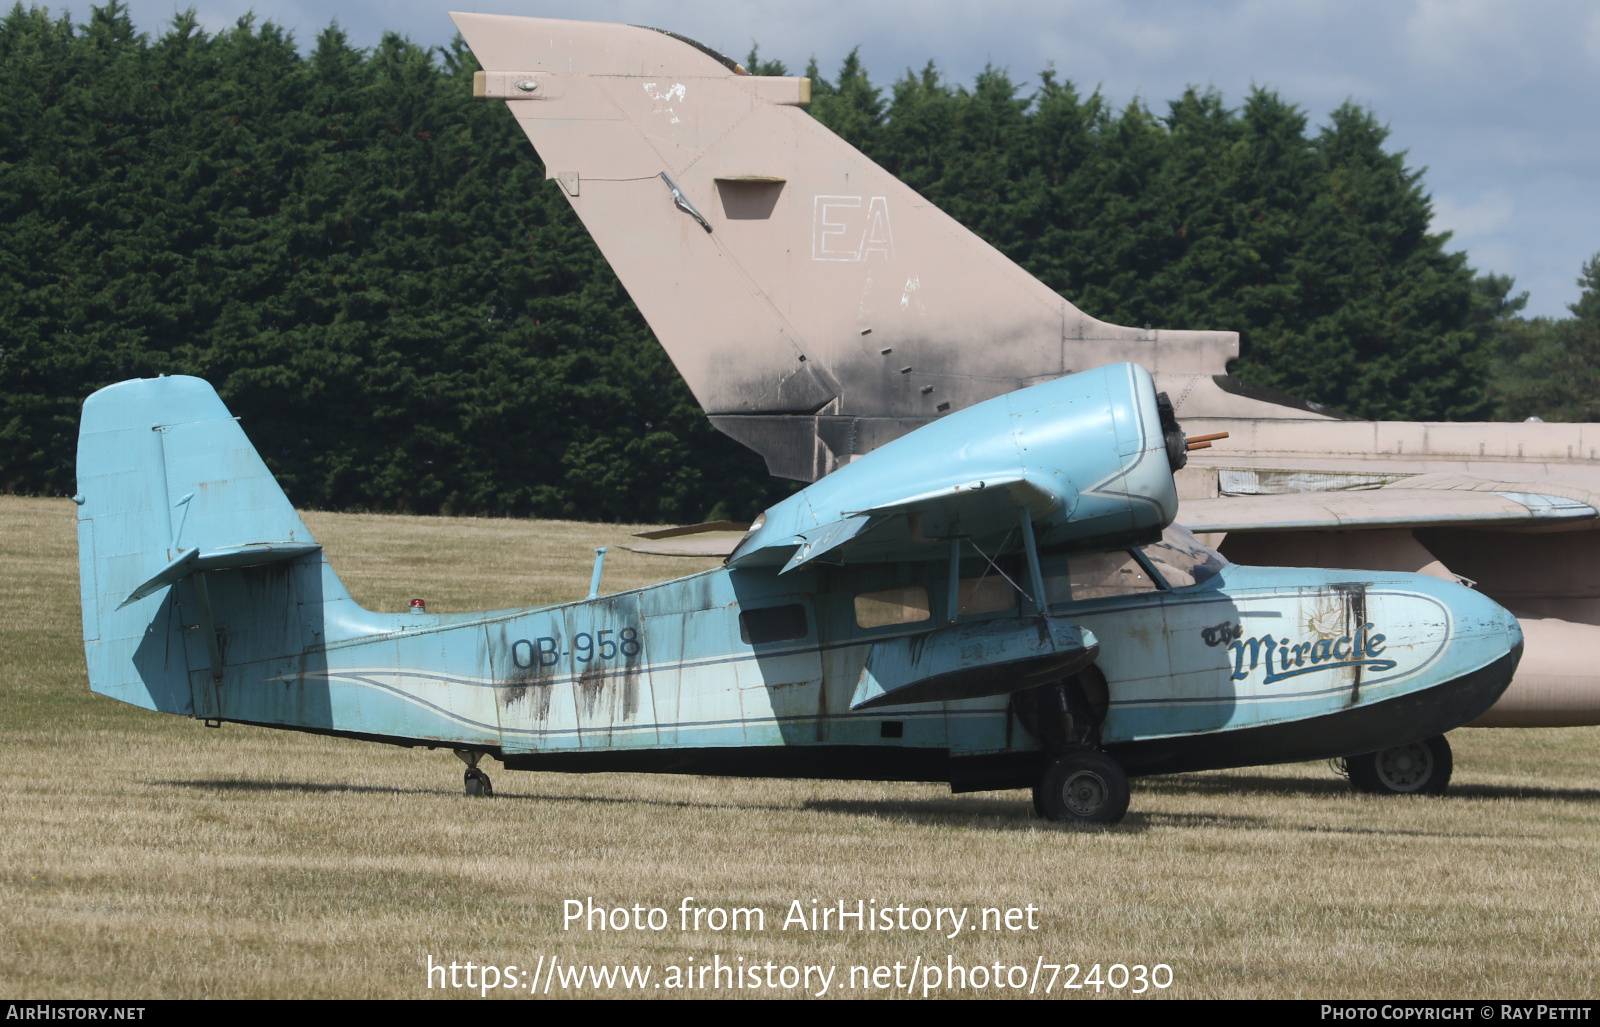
169	488
816	306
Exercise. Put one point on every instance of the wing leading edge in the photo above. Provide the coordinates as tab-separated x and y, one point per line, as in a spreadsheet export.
1395	506
1085	457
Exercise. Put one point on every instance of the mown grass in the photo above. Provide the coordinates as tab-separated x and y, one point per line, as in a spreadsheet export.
145	855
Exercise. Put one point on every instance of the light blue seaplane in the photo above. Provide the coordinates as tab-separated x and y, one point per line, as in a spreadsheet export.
996	600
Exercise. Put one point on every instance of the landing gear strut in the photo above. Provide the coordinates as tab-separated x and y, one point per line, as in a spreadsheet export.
1420	768
475	780
1084	786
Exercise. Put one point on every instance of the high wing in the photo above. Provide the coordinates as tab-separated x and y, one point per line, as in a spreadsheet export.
1465	502
1086	457
978	508
993	501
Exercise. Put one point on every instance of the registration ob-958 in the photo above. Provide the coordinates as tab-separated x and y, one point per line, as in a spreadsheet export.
607	644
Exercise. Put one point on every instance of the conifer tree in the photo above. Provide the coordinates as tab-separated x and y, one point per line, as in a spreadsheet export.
1548	368
374	273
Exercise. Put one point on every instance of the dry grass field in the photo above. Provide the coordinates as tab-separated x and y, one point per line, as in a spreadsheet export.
144	855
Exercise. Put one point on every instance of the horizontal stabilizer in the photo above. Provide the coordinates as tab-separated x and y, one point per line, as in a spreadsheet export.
1391	507
968	661
230	558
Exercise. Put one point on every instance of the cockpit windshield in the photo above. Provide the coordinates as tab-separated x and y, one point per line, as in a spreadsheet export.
1182	559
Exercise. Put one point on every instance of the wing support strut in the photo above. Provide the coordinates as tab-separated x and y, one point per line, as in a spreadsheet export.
1031	546
953	604
1020	590
599	568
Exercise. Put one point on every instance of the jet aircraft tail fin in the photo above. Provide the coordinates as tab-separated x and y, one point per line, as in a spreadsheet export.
170	491
816	305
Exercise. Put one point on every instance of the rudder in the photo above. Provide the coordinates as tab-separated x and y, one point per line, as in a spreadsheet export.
169	487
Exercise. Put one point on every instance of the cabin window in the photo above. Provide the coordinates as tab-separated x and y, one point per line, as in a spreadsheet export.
906	605
1182	559
989	594
773	624
1103	575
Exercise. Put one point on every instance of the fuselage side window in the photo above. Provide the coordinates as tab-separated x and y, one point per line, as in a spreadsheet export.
1104	575
773	624
905	605
1182	559
989	594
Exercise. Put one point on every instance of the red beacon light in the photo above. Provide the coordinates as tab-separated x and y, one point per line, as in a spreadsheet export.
418	606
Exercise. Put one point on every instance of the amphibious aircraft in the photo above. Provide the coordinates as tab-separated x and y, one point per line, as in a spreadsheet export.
998	599
819	308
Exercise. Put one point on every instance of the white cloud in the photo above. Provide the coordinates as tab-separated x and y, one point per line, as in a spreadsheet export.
1455	35
1485	215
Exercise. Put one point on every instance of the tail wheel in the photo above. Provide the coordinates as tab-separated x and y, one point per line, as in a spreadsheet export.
1419	768
477	783
1083	787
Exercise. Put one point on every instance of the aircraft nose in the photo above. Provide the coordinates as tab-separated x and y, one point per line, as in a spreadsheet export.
1481	617
1486	634
1513	629
1502	623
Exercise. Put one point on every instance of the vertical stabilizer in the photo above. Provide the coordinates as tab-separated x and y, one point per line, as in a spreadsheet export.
816	306
172	494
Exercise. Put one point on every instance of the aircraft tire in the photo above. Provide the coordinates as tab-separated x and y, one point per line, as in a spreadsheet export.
1421	768
477	783
1083	787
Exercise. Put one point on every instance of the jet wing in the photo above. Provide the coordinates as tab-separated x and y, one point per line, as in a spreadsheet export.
1433	501
718	544
710	538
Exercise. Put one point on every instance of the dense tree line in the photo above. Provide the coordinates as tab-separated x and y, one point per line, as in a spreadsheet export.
372	270
367	264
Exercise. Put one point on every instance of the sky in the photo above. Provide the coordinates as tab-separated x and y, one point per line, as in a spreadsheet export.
1498	99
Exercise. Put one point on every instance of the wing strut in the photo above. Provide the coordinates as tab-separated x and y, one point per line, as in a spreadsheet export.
1033	563
1031	546
953	600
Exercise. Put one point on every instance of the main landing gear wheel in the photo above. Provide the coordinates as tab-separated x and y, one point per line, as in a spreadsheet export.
1083	787
1420	768
477	783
